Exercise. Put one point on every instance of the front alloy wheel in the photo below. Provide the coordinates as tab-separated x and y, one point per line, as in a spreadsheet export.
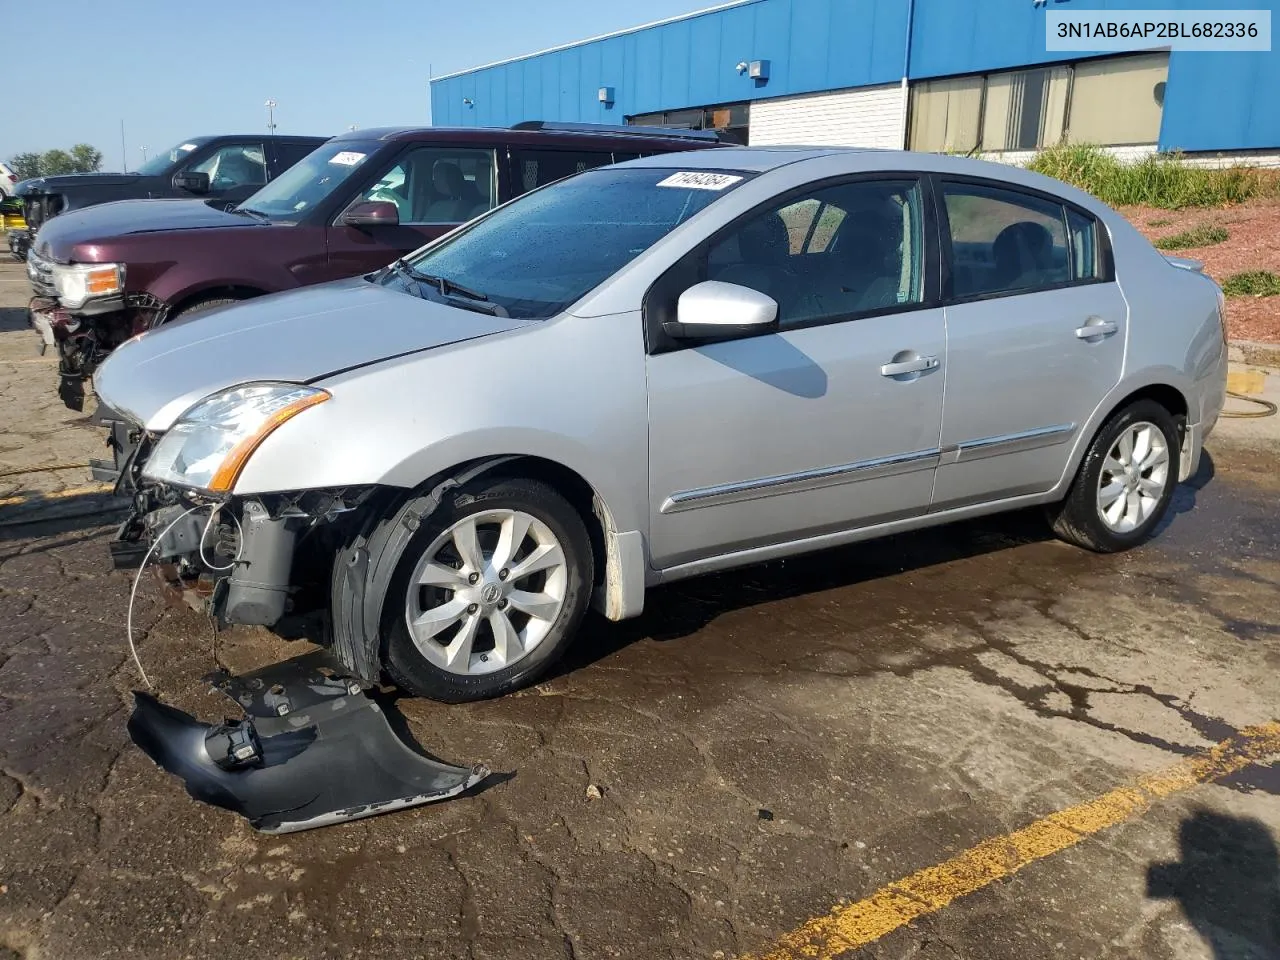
486	592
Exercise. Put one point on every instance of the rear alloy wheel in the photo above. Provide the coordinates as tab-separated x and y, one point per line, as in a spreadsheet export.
487	593
1134	477
1124	483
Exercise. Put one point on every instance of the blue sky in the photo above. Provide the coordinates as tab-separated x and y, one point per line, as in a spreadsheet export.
176	69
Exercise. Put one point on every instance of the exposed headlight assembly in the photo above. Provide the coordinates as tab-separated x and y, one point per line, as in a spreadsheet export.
77	283
208	446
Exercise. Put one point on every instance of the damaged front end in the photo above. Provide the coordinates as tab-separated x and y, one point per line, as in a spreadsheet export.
95	323
314	746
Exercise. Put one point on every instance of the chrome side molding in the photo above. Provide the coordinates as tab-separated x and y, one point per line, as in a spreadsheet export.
804	480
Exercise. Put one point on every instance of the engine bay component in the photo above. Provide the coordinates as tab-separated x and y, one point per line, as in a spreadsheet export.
312	749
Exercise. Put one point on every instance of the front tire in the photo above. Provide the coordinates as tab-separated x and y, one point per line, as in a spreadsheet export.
201	306
487	593
1125	482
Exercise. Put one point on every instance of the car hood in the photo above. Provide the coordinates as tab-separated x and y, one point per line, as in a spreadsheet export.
297	337
58	237
65	181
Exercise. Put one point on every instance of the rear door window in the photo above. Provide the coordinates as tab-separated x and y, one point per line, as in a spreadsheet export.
1006	242
287	154
535	168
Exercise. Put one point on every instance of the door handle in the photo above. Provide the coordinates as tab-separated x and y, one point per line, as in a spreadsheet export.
918	365
1096	327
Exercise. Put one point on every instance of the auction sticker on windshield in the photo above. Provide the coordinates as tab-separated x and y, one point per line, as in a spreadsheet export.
347	158
700	181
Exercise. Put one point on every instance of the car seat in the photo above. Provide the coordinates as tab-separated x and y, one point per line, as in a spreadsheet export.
764	249
1023	252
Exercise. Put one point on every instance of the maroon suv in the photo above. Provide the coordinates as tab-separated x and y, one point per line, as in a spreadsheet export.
104	274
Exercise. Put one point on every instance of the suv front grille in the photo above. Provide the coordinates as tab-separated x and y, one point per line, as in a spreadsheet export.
40	273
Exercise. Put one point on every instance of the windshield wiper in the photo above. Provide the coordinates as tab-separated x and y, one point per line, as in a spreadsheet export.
460	295
256	214
444	285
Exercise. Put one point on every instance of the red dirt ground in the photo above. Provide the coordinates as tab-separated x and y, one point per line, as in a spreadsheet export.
1253	244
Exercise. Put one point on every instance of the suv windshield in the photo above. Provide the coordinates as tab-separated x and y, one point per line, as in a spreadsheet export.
542	252
163	161
310	180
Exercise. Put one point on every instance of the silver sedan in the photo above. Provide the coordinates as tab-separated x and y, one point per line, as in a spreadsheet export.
663	368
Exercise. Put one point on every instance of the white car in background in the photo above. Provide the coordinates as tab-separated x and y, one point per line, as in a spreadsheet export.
8	180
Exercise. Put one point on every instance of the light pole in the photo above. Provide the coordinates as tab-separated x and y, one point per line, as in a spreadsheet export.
271	115
143	148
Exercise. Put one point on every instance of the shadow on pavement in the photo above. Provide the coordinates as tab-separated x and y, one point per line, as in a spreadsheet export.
14	318
42	516
678	610
1228	883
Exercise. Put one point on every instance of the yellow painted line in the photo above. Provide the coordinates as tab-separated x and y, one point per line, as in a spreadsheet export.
57	494
850	926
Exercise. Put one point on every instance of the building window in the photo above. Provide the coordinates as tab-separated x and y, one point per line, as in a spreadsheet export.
730	120
1118	101
1114	101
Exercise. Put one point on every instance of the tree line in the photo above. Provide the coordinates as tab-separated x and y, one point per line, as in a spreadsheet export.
82	158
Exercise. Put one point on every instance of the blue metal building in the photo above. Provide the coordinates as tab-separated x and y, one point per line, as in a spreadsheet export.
928	74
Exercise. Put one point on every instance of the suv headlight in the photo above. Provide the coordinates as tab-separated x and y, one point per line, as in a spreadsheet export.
78	282
208	446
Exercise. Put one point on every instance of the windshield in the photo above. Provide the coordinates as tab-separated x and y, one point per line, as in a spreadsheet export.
311	180
541	253
163	161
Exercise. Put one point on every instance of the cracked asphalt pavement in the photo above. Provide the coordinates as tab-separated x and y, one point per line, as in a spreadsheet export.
764	745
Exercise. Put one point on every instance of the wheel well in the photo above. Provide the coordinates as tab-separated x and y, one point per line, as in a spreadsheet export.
233	291
573	488
1170	398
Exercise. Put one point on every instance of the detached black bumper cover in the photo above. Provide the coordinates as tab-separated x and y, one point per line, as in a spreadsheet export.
312	750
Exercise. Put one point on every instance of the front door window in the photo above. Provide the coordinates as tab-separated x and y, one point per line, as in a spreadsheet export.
439	185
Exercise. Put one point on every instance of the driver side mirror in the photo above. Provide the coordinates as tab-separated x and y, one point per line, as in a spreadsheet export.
191	181
372	213
714	309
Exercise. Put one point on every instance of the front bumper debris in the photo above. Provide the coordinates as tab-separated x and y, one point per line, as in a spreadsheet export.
313	749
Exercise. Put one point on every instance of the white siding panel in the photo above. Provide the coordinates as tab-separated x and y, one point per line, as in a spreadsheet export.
863	117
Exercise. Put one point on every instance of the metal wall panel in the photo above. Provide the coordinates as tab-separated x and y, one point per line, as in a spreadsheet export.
812	45
1214	101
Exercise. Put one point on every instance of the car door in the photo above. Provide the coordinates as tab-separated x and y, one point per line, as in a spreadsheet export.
1036	327
434	189
235	169
831	422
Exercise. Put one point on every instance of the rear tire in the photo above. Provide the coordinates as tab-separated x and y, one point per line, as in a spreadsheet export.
1125	482
497	579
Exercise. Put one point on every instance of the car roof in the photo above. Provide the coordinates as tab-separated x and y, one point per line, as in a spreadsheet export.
578	136
750	159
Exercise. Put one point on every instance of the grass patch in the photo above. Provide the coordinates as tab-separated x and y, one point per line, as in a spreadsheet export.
1162	181
1159	223
1205	235
1252	283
